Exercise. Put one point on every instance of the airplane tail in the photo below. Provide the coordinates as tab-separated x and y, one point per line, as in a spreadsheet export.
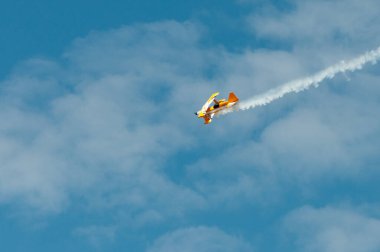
232	98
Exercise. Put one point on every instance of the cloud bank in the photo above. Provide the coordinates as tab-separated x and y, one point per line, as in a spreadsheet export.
199	239
106	133
96	122
332	230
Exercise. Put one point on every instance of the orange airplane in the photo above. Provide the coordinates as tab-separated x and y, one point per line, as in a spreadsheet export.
207	112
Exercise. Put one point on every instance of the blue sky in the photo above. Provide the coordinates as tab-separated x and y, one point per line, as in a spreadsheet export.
100	149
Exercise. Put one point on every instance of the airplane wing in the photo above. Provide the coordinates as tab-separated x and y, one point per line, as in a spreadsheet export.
209	101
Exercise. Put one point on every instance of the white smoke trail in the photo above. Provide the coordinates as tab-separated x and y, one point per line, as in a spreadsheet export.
314	80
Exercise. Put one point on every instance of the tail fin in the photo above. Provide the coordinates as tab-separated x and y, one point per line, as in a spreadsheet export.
232	98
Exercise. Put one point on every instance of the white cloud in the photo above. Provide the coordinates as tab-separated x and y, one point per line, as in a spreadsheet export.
99	128
332	230
97	236
102	121
321	22
199	239
319	33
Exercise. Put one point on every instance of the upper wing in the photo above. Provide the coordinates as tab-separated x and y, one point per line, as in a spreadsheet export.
209	101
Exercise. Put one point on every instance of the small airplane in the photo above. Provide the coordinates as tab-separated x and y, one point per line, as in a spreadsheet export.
207	112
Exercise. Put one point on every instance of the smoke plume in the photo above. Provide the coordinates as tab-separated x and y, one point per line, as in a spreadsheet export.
313	80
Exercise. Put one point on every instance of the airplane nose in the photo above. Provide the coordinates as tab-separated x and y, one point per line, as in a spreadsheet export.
196	113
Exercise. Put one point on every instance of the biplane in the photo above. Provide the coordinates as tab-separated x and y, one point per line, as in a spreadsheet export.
208	111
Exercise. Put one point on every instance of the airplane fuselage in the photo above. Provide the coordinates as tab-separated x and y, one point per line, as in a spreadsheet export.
219	107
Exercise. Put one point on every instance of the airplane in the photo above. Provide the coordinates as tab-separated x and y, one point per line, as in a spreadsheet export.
207	112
